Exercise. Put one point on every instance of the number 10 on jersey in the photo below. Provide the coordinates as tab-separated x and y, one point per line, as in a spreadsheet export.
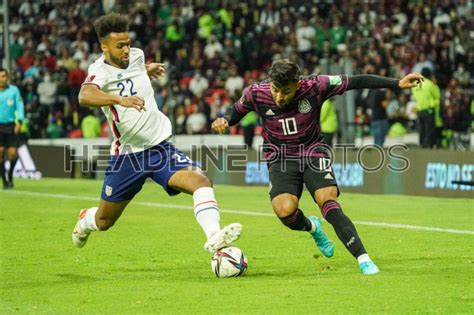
288	125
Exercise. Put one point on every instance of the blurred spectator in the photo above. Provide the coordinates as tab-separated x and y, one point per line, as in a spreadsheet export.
16	49
90	126
328	122
198	84
180	121
337	34
25	61
462	75
55	129
75	78
174	34
427	98
206	23
444	67
160	96
211	37
66	60
47	90
196	122
234	84
305	36
34	70
423	62
269	16
213	48
457	116
391	104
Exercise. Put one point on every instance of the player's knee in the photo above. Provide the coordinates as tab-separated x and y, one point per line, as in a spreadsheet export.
322	196
285	207
105	224
202	180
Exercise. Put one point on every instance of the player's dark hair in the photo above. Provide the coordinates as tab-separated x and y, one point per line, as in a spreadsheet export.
426	72
110	23
283	72
4	70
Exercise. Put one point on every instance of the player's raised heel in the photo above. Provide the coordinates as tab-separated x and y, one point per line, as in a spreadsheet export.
322	241
79	237
369	268
223	238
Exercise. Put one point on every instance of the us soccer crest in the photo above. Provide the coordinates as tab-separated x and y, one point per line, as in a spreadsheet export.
304	106
108	190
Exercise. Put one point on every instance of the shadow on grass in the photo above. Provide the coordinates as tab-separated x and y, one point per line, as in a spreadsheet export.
78	277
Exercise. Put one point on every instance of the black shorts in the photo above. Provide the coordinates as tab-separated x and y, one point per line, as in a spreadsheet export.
8	138
288	176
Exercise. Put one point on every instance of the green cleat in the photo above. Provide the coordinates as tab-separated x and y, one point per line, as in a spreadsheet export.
324	244
369	268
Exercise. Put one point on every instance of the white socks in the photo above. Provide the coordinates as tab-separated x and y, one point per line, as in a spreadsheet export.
87	222
313	226
363	258
206	210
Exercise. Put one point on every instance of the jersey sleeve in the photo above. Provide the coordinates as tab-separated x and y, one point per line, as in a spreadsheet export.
95	76
140	56
240	108
20	108
244	104
329	85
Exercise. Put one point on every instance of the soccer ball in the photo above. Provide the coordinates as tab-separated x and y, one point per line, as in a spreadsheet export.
229	262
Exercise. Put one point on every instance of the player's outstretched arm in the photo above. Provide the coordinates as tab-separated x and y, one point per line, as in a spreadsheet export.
231	117
233	114
370	81
155	70
91	95
411	80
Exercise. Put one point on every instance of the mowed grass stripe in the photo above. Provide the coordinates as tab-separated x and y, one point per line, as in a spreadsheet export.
243	212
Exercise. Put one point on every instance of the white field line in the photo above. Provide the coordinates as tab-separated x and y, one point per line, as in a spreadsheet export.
243	212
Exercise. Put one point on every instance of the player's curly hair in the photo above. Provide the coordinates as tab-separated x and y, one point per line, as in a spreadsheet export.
110	23
283	72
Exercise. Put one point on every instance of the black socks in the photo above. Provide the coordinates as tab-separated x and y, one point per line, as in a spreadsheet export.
344	228
297	221
10	171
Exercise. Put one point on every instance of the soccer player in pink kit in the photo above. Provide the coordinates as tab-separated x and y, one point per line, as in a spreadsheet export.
290	106
119	83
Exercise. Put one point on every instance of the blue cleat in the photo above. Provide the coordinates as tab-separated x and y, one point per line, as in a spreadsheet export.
321	239
369	268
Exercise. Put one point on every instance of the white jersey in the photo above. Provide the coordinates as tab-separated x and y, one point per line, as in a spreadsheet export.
133	131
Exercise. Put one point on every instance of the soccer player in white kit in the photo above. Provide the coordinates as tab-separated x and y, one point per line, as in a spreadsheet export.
119	83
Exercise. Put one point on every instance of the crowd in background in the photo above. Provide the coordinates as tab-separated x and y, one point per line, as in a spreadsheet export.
213	49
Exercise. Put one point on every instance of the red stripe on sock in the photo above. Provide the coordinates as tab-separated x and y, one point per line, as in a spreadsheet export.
83	212
201	203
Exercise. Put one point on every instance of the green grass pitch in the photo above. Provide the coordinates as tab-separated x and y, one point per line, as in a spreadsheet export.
152	260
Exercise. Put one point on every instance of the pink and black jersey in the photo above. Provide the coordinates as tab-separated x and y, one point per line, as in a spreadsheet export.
293	130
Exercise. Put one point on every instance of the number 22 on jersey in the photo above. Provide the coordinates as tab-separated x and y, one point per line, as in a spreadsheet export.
126	88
